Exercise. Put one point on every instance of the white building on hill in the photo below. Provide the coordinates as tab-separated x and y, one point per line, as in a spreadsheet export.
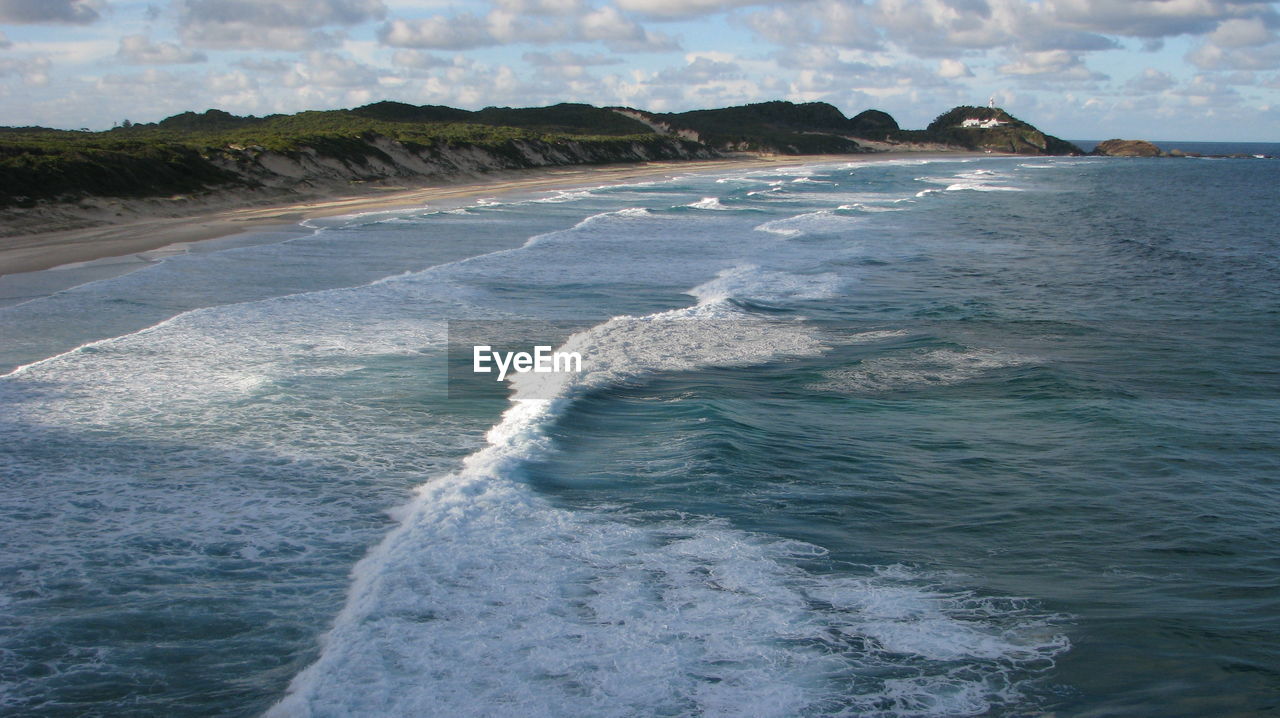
982	124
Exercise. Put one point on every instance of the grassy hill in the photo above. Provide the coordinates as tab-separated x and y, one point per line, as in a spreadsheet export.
1012	135
781	127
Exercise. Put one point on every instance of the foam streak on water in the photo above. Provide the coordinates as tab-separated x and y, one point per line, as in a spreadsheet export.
488	600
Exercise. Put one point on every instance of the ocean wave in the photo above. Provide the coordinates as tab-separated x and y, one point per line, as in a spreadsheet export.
979	180
753	283
823	220
564	196
488	599
619	215
712	203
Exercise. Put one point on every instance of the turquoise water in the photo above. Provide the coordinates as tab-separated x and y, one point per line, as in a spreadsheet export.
991	436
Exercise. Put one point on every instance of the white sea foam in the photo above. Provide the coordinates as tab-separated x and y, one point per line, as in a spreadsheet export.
602	218
869	208
981	187
565	196
751	282
809	222
487	599
937	367
979	180
712	203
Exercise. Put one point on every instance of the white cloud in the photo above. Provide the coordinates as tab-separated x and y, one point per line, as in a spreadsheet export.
1204	92
684	8
953	69
150	78
439	32
279	24
562	58
701	70
1249	32
1055	64
465	31
1153	18
33	71
610	26
510	28
541	7
262	65
1150	81
568	65
4	41
330	70
418	60
72	52
283	13
828	22
139	49
225	83
1212	57
76	12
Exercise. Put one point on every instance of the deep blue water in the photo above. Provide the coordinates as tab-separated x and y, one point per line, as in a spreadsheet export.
1268	149
993	436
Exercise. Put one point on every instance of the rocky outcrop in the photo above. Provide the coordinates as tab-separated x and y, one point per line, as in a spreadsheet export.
1126	148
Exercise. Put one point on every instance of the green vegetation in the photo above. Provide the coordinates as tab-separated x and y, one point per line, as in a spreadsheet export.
36	163
177	155
563	119
873	124
782	127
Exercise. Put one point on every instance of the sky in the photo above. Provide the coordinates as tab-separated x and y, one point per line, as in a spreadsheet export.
1080	69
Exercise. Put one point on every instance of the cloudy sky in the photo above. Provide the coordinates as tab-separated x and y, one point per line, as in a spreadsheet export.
1082	69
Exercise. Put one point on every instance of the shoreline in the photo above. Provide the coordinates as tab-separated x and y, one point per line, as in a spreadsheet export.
34	252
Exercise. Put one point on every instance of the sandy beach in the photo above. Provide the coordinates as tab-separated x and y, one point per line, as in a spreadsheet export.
140	233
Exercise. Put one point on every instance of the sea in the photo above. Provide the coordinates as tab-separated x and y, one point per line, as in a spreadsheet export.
947	436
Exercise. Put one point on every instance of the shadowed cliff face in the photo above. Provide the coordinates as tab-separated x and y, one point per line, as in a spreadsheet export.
1126	148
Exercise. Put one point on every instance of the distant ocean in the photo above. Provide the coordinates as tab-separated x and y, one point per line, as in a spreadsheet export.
1269	149
938	437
